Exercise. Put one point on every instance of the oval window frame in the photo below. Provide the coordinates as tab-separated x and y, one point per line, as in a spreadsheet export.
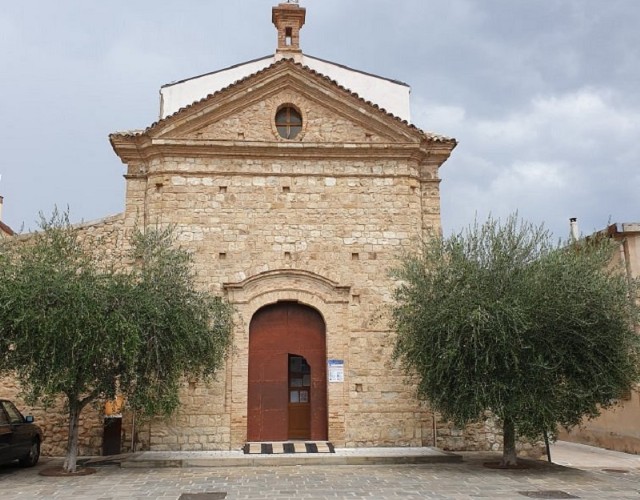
292	127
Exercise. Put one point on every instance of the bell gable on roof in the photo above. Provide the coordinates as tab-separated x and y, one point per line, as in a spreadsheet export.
288	19
391	95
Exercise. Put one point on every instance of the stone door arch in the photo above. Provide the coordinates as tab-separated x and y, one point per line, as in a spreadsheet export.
279	335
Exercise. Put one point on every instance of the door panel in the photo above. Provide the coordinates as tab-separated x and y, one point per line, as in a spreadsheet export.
299	398
275	332
299	422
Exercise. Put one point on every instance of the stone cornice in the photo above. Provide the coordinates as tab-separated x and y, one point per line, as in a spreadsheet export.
241	173
143	149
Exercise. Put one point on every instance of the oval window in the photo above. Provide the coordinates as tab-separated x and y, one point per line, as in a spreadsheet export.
288	122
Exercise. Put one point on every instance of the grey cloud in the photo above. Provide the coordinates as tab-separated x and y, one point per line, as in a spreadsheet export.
541	95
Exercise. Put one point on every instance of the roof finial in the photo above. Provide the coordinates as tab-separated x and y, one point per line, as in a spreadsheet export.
288	18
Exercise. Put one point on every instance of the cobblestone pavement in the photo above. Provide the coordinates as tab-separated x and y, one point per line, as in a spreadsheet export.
466	480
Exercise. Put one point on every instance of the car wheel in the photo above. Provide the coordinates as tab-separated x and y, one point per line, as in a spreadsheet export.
31	458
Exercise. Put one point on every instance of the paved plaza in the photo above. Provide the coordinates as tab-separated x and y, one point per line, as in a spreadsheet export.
593	474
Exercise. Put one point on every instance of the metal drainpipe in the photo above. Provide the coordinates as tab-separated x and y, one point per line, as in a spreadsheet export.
133	433
435	437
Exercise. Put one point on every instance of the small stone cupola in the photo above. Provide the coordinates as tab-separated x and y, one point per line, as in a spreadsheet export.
288	19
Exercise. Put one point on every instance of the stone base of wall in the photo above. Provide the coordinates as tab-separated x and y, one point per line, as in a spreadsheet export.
483	436
208	432
54	423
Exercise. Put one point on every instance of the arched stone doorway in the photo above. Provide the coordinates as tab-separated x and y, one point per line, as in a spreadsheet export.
287	393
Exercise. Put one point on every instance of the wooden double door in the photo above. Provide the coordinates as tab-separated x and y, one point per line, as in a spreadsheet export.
287	393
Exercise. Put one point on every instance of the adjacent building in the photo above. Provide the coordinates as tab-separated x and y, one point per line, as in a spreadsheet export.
617	428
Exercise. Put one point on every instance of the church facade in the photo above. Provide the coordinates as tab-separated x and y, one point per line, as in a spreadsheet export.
296	192
296	183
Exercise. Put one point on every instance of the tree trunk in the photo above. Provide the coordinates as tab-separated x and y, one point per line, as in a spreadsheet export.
509	456
72	440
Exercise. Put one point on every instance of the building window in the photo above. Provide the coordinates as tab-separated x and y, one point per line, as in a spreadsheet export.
288	122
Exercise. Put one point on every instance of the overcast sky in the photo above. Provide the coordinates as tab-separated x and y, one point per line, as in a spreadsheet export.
542	95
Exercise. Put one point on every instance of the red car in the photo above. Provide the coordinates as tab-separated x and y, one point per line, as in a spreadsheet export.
20	438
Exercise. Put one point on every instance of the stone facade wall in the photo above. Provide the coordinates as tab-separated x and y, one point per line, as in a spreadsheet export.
346	222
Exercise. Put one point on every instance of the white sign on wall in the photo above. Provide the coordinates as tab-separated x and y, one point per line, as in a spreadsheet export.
335	368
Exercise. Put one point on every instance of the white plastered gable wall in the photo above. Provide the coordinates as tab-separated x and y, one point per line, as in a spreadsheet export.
390	95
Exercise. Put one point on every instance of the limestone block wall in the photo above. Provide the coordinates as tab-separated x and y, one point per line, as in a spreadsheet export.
201	423
320	123
482	436
342	221
107	237
320	220
382	407
54	422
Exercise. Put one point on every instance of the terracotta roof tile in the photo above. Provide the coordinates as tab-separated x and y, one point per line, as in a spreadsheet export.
6	229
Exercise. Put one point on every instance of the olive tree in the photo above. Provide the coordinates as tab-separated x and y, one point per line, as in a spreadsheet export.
498	318
76	325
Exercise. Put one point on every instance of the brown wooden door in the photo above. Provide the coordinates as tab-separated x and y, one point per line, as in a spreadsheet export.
278	334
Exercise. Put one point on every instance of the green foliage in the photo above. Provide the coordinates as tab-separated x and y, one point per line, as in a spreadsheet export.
61	319
498	318
186	331
72	324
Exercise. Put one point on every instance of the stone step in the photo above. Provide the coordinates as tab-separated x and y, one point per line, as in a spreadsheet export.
340	456
282	447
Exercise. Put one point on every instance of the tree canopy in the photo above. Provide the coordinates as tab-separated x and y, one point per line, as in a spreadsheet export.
77	324
499	318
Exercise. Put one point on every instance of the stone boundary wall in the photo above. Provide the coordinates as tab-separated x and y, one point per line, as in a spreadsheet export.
54	422
106	237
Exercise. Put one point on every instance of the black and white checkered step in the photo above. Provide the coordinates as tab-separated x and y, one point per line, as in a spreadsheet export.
280	447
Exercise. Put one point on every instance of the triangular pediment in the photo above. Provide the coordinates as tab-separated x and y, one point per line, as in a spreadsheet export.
246	111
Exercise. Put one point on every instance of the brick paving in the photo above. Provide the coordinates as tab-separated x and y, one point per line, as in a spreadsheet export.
464	480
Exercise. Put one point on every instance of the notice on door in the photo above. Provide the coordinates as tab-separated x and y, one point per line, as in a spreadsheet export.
336	370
